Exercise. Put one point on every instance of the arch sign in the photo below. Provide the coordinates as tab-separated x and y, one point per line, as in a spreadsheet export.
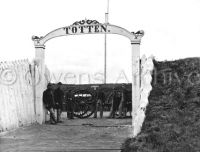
88	27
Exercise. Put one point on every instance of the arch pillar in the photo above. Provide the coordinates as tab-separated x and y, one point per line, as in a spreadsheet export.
136	80
39	81
135	76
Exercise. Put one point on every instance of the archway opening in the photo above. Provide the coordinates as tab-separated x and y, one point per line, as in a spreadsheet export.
84	64
89	27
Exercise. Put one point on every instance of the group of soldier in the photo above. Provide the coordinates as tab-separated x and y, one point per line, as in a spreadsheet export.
53	100
118	103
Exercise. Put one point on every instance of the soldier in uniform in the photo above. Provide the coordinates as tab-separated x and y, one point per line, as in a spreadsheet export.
100	100
70	107
115	103
49	103
122	105
59	97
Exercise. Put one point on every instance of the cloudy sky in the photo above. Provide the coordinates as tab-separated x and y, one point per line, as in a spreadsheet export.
172	30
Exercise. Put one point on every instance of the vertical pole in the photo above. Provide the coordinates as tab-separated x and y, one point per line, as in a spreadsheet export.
105	58
135	77
105	45
108	2
39	82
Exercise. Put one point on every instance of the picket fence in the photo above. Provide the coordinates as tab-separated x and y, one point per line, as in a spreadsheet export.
16	95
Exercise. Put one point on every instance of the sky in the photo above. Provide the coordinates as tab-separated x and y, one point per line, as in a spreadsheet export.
172	30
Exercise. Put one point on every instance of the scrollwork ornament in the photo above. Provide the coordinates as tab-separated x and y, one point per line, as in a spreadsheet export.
85	22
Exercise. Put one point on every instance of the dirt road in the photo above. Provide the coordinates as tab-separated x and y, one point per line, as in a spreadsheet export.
85	135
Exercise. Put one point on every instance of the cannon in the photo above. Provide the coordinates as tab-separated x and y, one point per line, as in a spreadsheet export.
84	97
83	103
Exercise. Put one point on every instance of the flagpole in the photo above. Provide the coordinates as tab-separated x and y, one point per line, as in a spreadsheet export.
105	44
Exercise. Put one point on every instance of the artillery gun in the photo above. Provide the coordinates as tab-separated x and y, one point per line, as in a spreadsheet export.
85	97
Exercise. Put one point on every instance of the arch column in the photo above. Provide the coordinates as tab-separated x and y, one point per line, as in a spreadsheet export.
135	43
39	83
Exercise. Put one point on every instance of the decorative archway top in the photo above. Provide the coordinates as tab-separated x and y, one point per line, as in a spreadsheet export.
88	27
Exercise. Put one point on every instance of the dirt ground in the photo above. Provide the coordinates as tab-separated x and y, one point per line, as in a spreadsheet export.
83	135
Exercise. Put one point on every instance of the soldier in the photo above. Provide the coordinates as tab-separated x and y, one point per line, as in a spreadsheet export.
48	100
70	107
100	100
128	103
115	103
122	111
59	97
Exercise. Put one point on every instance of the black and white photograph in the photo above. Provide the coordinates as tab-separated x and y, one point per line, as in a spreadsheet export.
100	76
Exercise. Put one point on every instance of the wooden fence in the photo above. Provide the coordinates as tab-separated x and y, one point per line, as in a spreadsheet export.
16	95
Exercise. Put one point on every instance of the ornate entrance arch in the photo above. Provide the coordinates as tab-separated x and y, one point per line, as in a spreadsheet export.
87	27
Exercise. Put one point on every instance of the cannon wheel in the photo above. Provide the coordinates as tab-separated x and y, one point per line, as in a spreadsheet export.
83	104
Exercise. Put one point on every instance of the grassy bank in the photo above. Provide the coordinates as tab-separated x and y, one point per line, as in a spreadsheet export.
172	122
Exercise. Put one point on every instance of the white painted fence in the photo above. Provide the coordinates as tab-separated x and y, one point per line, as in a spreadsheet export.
16	95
